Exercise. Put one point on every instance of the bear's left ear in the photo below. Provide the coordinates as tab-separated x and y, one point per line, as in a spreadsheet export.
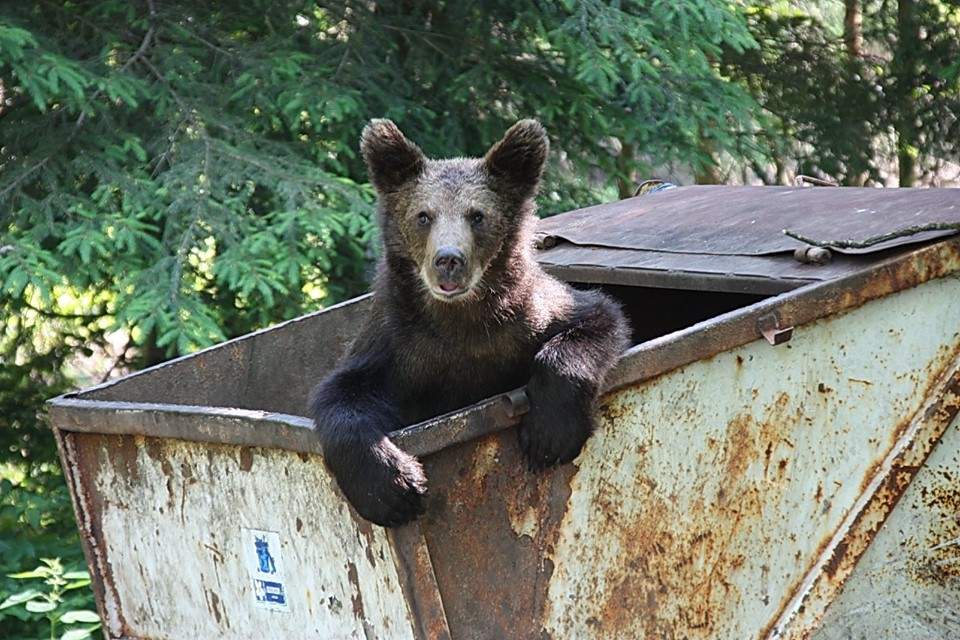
519	158
391	159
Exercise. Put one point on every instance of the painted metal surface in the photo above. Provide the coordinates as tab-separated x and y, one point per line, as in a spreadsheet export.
729	492
907	585
705	496
654	532
167	518
838	558
232	374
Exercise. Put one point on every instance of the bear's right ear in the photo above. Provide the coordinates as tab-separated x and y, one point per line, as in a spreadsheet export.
391	159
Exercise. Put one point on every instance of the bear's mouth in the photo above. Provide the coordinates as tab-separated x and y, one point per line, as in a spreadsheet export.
448	290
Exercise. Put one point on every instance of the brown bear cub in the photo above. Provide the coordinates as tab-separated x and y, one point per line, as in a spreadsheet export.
461	312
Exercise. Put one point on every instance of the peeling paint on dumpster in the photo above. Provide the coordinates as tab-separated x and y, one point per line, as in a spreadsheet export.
171	516
706	492
733	489
907	585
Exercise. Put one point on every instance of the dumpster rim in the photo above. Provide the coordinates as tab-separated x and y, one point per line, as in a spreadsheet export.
639	363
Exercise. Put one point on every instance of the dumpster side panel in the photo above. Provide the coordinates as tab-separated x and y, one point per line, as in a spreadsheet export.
907	584
268	370
175	522
490	526
707	493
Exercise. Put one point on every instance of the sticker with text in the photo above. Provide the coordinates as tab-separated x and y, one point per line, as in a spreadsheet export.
261	552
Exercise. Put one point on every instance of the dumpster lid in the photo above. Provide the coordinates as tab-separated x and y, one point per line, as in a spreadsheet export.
750	221
732	238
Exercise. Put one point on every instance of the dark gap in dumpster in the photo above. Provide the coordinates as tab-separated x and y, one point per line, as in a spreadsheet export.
655	312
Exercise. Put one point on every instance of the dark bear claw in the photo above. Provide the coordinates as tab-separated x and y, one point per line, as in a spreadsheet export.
384	484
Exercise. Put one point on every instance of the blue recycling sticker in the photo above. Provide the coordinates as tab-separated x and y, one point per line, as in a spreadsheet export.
261	553
267	565
269	592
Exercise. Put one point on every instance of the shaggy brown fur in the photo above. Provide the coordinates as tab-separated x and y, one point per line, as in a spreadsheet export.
461	312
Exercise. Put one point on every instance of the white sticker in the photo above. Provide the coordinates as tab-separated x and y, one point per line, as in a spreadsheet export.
261	552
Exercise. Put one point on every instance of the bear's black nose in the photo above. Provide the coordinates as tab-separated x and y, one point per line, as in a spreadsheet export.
449	262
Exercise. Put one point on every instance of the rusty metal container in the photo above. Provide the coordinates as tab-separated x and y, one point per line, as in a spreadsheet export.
778	456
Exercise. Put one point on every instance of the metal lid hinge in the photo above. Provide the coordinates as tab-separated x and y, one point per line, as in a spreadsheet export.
770	329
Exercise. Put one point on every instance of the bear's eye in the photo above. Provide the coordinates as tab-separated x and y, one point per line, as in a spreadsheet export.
423	218
476	218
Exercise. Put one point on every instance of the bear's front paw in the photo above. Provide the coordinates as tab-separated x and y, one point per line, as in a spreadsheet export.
558	423
383	483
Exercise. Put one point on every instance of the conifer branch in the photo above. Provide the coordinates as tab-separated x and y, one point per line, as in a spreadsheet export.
139	53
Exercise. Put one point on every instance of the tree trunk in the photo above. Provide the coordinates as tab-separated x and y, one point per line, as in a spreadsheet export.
905	75
708	171
626	162
853	28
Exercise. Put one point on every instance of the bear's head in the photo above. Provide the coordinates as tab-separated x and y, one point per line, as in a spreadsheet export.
448	221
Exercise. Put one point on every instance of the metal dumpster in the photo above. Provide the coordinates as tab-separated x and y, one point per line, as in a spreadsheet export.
778	456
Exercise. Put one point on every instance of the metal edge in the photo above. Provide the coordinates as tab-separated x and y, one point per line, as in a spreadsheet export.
802	612
477	420
217	425
418	581
639	363
795	308
101	579
672	279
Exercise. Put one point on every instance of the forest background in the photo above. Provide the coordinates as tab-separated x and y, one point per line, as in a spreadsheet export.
176	173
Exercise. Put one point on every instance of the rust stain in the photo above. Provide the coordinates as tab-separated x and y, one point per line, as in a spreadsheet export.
167	469
925	264
153	448
419	583
213	604
217	555
334	604
357	599
610	411
123	453
838	559
695	564
782	467
484	460
766	458
494	525
245	458
739	447
366	530
631	592
942	563
869	474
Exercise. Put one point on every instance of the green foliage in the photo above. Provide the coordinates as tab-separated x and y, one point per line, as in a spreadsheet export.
198	161
55	597
182	172
846	114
